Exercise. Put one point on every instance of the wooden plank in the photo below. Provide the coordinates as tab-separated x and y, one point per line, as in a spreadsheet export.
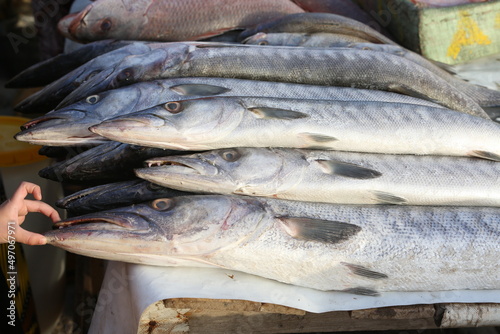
184	315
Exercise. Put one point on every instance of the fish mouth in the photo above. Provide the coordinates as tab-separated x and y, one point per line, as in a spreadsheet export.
183	165
79	18
105	221
67	202
43	119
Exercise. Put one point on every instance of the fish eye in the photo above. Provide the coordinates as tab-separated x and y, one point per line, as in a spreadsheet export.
154	186
162	204
230	155
173	107
125	75
106	25
263	42
92	99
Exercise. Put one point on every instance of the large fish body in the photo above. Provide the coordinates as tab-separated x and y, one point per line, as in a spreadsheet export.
483	96
69	125
326	66
169	20
372	127
331	177
357	249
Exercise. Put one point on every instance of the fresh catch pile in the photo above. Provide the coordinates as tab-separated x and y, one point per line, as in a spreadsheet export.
311	149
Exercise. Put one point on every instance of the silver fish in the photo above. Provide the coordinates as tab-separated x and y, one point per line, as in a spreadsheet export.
69	125
316	40
331	177
372	127
321	66
319	23
483	96
363	250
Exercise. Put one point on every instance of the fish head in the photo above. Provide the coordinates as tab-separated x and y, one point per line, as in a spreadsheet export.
166	228
69	125
133	68
179	125
59	128
251	171
99	162
101	20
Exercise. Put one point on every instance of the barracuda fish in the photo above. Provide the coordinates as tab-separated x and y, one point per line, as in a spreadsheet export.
48	97
329	66
69	125
114	195
483	96
318	22
43	73
315	40
169	20
363	250
104	163
226	122
331	177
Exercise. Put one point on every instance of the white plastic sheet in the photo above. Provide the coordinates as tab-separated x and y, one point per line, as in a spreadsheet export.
128	289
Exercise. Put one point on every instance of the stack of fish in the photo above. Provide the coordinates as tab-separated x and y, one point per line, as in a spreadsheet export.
363	167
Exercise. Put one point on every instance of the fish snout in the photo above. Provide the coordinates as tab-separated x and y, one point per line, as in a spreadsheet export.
184	165
107	220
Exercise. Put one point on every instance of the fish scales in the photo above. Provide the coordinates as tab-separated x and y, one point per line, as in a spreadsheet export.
331	176
337	67
167	20
69	125
357	249
225	122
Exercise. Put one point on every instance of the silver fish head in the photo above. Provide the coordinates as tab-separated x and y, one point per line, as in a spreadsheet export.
161	231
181	125
59	128
252	171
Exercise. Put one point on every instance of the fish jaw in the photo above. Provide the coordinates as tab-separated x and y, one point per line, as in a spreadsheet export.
108	235
55	129
186	173
189	227
65	23
132	129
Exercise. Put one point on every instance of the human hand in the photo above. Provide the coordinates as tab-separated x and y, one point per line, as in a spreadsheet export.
14	211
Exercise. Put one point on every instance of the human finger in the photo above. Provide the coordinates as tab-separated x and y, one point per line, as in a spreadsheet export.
29	238
26	188
44	208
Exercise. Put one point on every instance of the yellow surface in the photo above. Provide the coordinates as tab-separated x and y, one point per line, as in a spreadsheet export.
13	152
468	33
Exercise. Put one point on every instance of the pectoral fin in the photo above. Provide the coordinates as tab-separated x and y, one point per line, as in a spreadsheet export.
318	230
199	90
485	155
383	197
276	113
347	169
